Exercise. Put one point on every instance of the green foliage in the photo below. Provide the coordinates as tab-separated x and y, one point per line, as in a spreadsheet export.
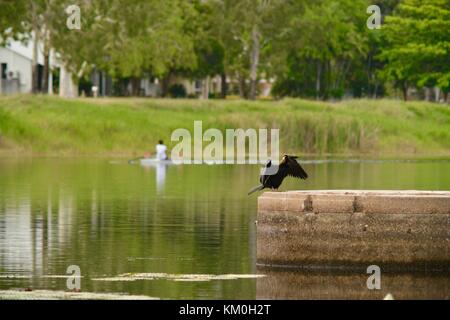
128	39
418	44
177	91
236	22
208	50
12	15
320	48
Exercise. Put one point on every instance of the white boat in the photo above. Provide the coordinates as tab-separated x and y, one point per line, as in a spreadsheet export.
154	161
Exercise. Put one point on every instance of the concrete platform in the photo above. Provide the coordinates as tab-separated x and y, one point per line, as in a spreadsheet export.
352	228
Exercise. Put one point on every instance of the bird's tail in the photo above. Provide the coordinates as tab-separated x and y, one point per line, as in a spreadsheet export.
257	188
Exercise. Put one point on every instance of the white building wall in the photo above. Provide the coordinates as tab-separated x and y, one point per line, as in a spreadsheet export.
25	49
19	65
19	56
151	89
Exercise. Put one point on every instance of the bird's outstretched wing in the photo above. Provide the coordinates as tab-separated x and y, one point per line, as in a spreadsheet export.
295	169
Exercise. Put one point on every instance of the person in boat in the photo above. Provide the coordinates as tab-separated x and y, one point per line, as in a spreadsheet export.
161	149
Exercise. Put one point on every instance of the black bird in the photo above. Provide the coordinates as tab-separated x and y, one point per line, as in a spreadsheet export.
287	167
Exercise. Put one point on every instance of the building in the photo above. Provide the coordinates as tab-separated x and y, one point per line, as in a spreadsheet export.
16	61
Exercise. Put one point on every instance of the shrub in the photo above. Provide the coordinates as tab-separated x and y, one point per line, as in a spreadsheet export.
177	91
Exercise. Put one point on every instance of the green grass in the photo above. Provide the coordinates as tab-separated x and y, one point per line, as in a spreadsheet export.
41	125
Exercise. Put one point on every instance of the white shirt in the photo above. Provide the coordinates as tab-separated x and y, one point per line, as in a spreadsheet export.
161	152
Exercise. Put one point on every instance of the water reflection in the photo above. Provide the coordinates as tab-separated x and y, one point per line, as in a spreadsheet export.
15	235
289	284
109	219
160	169
160	177
112	219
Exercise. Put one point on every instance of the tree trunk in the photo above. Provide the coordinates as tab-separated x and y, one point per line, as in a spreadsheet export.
326	84
50	83
34	65
369	75
224	88
375	91
45	37
242	89
427	94
318	76
1	80
67	87
46	71
165	82
135	86
254	62
205	88
405	92
437	94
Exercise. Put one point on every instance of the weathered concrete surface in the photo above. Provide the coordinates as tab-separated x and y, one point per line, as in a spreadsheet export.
408	229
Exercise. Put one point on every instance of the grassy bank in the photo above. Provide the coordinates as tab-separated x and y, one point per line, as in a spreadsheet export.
53	126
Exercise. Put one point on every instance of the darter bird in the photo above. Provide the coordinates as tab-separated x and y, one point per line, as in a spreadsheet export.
288	167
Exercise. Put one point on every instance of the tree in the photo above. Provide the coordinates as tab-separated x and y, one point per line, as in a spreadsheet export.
366	79
418	45
41	15
320	45
12	17
208	50
245	29
127	40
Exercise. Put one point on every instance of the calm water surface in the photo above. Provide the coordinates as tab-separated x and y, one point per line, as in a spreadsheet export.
111	218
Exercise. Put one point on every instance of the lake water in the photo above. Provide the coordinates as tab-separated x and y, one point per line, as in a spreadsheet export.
175	223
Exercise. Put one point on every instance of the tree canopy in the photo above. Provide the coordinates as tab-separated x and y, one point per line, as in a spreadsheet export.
321	49
12	19
417	47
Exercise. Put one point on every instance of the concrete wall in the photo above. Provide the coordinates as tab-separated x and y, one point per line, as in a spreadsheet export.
394	229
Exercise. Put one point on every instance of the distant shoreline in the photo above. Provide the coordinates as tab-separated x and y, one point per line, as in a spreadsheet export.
125	127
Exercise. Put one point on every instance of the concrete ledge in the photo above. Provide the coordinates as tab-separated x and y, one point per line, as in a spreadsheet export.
350	201
354	227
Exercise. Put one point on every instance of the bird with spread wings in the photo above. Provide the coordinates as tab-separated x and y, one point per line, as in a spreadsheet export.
288	167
